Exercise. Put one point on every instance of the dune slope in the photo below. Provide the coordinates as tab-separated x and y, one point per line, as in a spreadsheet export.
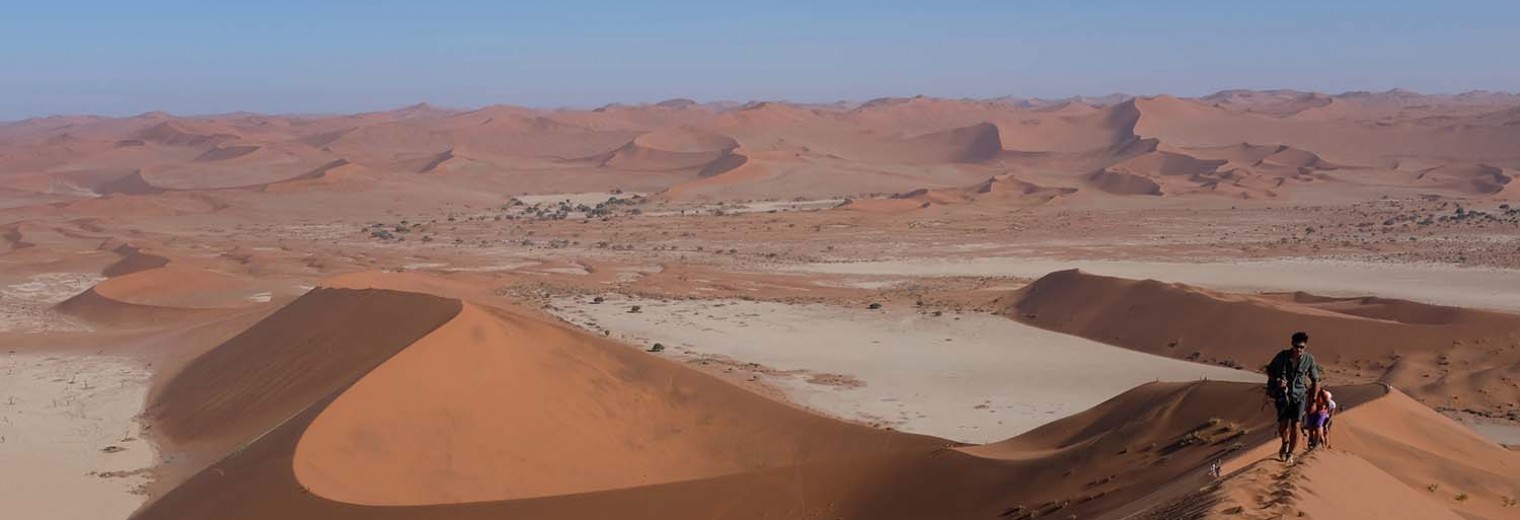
1443	356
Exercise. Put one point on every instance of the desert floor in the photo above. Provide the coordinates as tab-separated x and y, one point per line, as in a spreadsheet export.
69	424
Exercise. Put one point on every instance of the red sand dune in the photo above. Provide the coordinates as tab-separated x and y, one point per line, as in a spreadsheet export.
284	364
133	260
998	191
1121	145
673	149
130	184
1474	179
438	161
170	133
1443	356
381	404
493	406
141	295
1392	458
222	153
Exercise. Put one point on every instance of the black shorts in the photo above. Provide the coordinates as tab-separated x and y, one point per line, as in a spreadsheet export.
1290	408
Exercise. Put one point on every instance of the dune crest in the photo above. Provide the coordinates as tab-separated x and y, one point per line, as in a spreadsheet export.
493	406
1404	343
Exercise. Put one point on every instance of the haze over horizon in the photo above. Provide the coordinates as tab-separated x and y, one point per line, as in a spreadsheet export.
93	57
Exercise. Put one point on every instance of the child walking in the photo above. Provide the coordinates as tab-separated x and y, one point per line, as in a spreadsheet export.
1317	420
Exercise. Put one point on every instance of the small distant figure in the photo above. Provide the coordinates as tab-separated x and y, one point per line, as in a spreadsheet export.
1215	468
1292	377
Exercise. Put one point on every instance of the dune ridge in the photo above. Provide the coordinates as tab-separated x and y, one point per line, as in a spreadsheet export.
1404	343
340	435
1274	144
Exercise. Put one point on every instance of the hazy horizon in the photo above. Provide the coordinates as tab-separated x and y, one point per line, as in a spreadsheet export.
464	108
284	57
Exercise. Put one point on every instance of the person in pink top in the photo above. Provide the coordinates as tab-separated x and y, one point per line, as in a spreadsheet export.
1317	418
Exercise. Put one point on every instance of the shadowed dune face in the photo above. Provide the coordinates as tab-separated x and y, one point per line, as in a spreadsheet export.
133	260
1123	455
347	407
1407	344
493	406
371	403
302	353
1473	179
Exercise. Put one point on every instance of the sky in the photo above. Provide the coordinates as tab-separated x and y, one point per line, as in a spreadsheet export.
115	57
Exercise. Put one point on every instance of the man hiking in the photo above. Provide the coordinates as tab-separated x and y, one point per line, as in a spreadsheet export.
1292	377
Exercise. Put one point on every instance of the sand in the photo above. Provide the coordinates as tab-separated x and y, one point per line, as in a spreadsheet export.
70	443
1506	434
27	304
1439	284
450	392
966	377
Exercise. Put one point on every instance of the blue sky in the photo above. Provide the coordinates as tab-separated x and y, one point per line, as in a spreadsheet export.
278	56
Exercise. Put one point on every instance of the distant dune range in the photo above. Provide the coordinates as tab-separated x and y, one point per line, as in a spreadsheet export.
1263	145
371	402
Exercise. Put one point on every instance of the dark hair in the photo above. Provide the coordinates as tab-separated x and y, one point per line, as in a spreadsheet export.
1300	337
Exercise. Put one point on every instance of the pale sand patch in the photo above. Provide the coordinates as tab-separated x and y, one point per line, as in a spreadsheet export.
510	266
1431	283
860	284
70	443
27	305
971	377
589	198
732	208
578	271
1506	434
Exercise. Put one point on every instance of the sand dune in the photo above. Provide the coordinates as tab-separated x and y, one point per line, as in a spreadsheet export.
346	431
170	133
1444	356
972	144
133	259
130	184
674	149
1270	140
528	409
139	295
1243	170
1476	179
1273	102
1371	473
1113	457
438	161
998	191
294	358
222	153
455	395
